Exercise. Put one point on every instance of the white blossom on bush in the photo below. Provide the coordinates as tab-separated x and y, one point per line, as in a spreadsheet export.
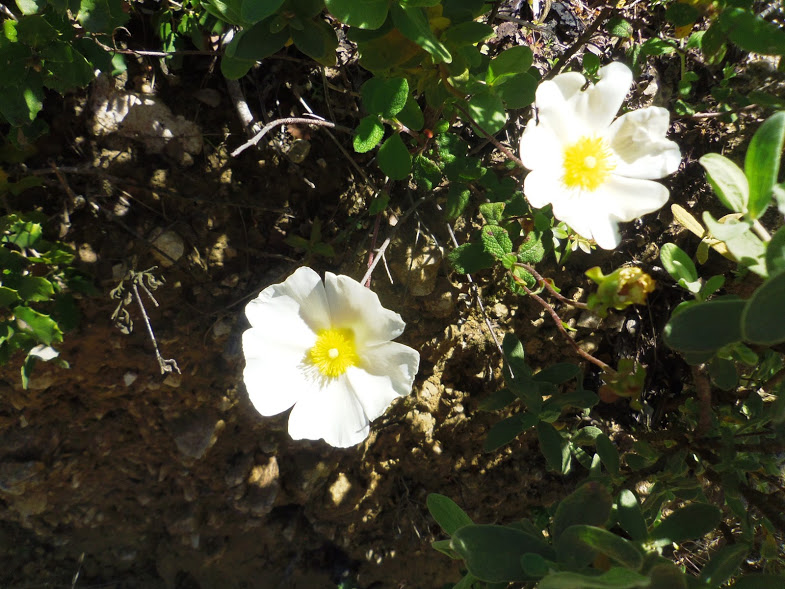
594	170
325	348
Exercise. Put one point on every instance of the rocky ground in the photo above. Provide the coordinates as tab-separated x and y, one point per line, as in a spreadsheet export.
113	474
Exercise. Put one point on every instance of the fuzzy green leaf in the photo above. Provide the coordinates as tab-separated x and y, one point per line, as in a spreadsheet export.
369	133
487	110
630	517
470	258
554	447
687	523
495	241
506	430
775	252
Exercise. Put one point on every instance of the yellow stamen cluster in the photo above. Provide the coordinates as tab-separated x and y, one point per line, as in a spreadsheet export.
587	163
334	352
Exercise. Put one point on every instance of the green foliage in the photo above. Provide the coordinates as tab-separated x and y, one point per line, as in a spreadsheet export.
52	45
35	302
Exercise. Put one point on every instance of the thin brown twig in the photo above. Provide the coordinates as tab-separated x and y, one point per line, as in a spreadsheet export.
582	40
557	320
530	269
478	298
287	121
496	143
703	389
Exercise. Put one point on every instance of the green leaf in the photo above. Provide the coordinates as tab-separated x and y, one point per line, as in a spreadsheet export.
317	40
35	31
608	452
554	447
492	212
534	565
775	252
414	25
257	42
591	63
667	576
723	373
705	327
630	517
369	133
589	504
394	159
728	181
759	581
42	326
493	553
497	400
101	16
470	258
447	513
762	163
619	27
385	98
752	33
724	563
426	173
252	11
618	549
487	110
531	250
9	296
742	243
411	114
30	6
458	196
518	90
763	319
655	46
679	265
515	60
467	33
363	14
558	373
35	288
67	68
687	523
495	241
508	429
233	68
681	14
615	578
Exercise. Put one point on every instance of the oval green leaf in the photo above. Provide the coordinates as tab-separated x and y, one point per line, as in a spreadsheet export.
369	133
762	163
706	327
728	181
447	513
629	515
589	504
688	523
363	14
763	319
493	553
394	159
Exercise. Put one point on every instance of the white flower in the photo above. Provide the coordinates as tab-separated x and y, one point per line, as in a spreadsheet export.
594	170
326	349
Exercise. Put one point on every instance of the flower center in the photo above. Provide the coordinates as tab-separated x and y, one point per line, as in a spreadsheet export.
334	352
587	163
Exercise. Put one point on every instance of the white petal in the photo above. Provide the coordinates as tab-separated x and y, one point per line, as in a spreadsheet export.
333	413
387	372
605	231
598	105
272	375
302	293
574	207
352	306
626	199
638	138
540	146
570	84
557	111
